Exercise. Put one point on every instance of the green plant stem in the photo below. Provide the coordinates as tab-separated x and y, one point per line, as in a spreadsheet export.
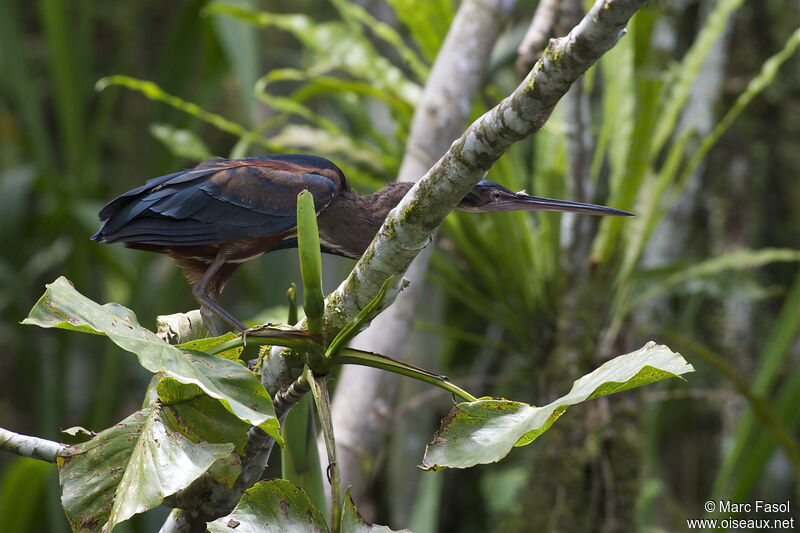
359	322
346	356
301	342
319	390
358	357
310	261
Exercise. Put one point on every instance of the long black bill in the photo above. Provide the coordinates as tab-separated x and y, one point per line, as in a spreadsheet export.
488	197
523	202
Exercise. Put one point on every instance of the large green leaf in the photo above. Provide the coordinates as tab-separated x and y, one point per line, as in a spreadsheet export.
130	468
485	431
238	389
209	345
199	417
281	506
274	506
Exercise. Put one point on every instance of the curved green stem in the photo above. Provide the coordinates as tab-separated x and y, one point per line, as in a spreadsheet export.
300	341
357	357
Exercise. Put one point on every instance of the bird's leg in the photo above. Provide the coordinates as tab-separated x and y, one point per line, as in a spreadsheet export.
210	309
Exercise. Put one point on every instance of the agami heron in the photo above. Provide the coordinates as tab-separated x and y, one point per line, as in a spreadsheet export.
213	217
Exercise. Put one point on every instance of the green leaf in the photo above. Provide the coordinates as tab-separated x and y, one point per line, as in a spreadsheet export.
300	461
199	417
352	522
716	266
333	46
310	261
238	389
353	327
748	435
153	92
274	506
208	345
713	29
130	468
324	141
767	75
485	431
181	143
351	145
652	194
354	12
426	20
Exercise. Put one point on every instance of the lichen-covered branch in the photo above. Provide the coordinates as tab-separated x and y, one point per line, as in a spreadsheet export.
33	447
409	227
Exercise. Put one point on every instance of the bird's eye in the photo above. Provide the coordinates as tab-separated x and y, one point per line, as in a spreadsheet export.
495	196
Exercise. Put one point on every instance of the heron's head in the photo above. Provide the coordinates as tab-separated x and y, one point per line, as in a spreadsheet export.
488	196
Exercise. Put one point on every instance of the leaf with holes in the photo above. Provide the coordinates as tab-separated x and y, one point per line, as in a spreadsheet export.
485	431
130	468
274	506
233	385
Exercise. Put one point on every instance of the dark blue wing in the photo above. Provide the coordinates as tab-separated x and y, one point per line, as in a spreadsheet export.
218	201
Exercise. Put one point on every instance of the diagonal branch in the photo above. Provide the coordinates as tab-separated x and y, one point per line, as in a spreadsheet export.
409	227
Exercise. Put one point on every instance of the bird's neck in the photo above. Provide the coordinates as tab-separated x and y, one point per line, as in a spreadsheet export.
350	222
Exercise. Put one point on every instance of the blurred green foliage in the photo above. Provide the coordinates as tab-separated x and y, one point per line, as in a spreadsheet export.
520	314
